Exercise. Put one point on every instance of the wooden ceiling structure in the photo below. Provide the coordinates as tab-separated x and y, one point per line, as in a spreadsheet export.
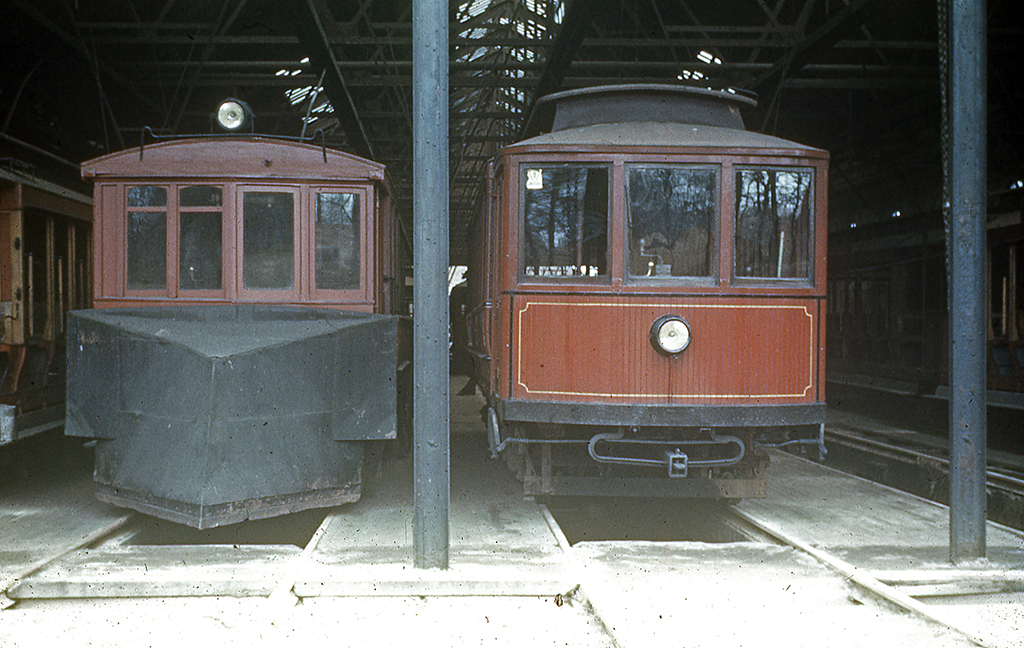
860	78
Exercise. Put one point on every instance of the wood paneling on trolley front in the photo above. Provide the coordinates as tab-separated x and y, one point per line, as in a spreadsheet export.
594	348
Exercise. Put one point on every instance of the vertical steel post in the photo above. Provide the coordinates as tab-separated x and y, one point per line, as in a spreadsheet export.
967	249
430	292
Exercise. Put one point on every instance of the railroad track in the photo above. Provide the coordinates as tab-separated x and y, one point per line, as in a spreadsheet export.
884	587
72	545
897	587
919	464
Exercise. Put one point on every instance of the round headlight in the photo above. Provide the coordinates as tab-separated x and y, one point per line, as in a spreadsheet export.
670	335
233	114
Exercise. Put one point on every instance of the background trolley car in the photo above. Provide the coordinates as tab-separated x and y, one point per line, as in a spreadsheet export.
647	303
45	270
888	313
244	348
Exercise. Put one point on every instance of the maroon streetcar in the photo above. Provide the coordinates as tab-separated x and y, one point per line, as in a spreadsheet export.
245	343
255	220
45	266
888	310
646	303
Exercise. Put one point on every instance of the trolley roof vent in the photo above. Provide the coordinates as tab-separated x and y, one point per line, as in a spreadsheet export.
640	103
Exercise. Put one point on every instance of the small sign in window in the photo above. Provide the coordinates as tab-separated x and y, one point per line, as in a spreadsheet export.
534	179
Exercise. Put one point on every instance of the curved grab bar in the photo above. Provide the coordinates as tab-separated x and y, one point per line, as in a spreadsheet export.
674	456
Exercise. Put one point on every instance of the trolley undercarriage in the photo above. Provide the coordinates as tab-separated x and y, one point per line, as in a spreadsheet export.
556	458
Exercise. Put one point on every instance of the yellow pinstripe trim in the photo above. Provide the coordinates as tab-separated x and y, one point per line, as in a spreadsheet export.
519	349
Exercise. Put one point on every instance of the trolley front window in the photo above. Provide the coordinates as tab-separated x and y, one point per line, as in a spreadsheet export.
200	238
337	241
671	220
147	238
565	221
774	212
269	240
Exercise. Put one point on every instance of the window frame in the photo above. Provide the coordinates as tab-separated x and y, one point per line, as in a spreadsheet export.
713	278
275	295
172	286
226	242
167	209
521	168
304	197
811	243
367	256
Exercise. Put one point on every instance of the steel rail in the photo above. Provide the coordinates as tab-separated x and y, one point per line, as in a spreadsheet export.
994	479
84	541
862	578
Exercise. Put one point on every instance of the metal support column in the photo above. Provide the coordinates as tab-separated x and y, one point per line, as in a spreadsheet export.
967	248
430	292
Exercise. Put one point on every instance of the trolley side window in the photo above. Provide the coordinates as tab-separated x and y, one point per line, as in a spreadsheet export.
671	220
200	238
565	221
147	238
337	241
774	215
269	240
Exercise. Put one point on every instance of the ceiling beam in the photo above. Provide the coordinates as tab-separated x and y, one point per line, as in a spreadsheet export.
223	25
575	24
30	9
311	33
819	40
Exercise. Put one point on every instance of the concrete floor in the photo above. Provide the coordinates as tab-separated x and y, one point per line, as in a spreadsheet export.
514	580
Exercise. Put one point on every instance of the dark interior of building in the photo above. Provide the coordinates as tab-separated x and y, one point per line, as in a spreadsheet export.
858	78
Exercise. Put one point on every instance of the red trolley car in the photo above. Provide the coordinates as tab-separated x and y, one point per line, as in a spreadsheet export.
646	310
45	270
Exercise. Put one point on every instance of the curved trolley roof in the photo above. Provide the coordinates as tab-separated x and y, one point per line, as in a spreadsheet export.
232	157
651	115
